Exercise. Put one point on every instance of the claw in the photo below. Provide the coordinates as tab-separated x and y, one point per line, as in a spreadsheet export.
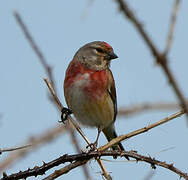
93	146
65	112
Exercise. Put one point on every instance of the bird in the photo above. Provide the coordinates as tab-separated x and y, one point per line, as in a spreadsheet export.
89	89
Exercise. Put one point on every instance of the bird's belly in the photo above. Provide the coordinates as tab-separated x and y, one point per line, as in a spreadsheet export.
90	110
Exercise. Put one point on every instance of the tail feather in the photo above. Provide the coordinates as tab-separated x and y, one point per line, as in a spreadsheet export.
110	134
119	144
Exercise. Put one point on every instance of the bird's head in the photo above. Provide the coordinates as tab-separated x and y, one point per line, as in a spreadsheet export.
96	55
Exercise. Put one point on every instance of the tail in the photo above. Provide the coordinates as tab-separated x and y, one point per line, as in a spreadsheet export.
110	134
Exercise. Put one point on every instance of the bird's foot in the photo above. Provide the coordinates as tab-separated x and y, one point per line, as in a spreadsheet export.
92	146
65	112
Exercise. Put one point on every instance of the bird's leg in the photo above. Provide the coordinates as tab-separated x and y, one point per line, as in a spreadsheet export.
65	112
93	146
98	134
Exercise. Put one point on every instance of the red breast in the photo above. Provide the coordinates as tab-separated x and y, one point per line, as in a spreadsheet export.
98	80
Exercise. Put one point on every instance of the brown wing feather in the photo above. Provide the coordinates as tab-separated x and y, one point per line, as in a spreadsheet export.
109	131
112	93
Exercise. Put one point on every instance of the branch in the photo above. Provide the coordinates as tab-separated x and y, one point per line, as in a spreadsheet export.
172	26
35	48
142	107
65	170
105	172
35	141
160	58
80	159
139	131
13	149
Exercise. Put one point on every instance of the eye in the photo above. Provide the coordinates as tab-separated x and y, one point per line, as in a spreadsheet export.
100	50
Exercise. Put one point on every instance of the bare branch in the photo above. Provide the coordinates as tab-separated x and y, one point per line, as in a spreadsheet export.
142	107
172	26
105	172
80	159
139	131
14	149
65	170
37	140
160	58
35	48
52	91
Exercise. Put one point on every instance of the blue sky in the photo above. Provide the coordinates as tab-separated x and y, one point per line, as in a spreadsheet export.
59	29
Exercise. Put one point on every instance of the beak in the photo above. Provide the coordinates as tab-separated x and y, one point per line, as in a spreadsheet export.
112	55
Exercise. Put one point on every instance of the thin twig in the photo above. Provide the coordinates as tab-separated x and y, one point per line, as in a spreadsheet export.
160	58
105	172
139	131
143	107
14	149
56	99
65	170
37	140
172	26
35	48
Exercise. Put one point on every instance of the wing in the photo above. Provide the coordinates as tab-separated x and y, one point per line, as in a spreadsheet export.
112	93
